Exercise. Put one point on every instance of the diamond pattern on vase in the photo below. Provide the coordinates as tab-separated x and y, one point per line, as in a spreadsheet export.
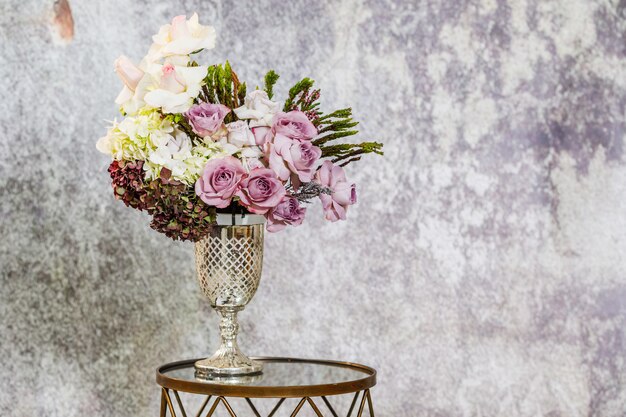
229	263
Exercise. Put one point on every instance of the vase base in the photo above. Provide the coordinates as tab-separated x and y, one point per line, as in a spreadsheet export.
213	368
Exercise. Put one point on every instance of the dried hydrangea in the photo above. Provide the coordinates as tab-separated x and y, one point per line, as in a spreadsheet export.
177	212
175	209
127	182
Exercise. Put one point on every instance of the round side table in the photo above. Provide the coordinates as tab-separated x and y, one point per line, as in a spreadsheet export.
282	378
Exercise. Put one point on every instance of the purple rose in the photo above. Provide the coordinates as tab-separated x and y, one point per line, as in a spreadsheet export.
288	211
206	119
289	157
343	194
261	190
294	125
219	181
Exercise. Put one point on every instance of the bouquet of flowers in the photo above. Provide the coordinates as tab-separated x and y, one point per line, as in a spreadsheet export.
195	141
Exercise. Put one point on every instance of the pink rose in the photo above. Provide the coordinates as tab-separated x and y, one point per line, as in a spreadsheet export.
294	125
261	190
289	157
206	119
262	134
219	181
288	211
343	194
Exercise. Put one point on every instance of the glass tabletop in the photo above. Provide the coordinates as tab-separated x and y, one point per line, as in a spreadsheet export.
280	376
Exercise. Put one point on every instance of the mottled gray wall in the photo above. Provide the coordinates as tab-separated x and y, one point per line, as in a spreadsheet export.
482	272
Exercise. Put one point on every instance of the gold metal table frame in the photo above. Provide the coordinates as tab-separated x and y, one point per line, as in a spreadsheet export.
358	381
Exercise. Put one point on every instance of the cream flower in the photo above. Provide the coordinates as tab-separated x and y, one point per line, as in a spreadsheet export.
181	157
200	155
189	169
239	134
251	158
170	155
257	107
174	87
240	140
180	38
135	138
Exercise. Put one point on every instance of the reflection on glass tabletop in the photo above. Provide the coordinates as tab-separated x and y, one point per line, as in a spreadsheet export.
280	377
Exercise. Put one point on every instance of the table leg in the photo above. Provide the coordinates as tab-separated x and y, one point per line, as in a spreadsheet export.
163	405
368	397
369	403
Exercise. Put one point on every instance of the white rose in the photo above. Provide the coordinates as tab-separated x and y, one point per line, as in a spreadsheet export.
181	37
176	87
251	158
259	108
239	134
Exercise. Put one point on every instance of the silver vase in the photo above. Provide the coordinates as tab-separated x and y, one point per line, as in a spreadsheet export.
228	263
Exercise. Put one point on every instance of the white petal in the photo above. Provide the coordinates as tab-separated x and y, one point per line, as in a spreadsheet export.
208	38
125	95
104	145
252	152
193	75
166	100
230	149
193	20
245	113
178	60
182	46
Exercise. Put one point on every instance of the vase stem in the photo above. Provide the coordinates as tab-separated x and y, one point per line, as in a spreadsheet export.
229	327
228	360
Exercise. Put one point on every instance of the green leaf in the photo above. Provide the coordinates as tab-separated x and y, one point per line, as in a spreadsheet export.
270	79
298	88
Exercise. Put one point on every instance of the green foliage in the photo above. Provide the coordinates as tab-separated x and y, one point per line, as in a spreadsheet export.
270	79
302	86
184	125
351	152
223	87
331	127
241	93
335	125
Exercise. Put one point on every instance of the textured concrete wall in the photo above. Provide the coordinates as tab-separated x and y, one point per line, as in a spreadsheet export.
482	272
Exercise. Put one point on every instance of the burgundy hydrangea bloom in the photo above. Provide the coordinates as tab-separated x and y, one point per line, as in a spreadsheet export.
175	212
127	182
178	213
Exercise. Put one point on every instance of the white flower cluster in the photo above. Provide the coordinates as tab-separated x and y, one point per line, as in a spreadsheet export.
149	138
163	80
163	83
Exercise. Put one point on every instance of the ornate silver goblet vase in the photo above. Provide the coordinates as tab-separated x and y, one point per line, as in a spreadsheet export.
229	261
